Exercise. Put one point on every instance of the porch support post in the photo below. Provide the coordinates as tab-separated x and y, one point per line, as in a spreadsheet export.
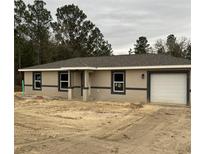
86	86
69	94
69	86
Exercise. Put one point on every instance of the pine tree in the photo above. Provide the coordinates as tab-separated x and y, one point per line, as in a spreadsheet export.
141	46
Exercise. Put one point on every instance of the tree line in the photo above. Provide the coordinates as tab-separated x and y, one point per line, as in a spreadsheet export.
39	39
170	46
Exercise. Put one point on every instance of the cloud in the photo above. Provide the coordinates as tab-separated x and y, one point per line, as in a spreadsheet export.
122	22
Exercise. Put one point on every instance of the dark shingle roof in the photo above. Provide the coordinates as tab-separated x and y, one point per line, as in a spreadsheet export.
116	61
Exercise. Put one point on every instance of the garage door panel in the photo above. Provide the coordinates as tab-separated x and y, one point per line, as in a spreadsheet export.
168	88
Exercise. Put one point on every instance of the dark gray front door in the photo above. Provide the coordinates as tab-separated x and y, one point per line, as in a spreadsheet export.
82	82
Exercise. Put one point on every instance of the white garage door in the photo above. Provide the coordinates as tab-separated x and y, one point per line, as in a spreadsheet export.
168	88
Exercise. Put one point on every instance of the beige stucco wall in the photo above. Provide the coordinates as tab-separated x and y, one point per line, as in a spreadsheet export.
96	79
76	83
75	78
130	96
133	80
48	78
46	91
28	77
100	78
51	78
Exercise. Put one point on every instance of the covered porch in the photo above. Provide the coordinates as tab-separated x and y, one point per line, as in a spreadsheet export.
79	85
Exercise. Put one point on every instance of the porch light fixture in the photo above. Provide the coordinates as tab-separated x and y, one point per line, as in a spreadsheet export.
142	76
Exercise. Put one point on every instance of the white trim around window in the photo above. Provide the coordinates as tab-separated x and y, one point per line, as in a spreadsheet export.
37	80
120	83
64	81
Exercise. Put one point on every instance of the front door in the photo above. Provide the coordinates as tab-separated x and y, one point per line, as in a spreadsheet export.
82	82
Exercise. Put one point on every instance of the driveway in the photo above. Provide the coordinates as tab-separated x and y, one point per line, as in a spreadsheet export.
73	127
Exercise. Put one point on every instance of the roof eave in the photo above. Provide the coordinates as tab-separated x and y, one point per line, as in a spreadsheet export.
107	68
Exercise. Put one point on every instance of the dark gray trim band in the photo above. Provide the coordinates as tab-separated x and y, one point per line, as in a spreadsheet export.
131	88
75	87
127	88
28	85
56	86
96	87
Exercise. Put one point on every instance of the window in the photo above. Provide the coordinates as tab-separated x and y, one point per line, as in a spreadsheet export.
37	81
63	81
118	85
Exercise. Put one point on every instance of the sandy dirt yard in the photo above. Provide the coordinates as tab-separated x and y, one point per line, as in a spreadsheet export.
44	126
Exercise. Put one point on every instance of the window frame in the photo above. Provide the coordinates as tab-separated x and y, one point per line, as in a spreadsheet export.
63	81
35	80
113	91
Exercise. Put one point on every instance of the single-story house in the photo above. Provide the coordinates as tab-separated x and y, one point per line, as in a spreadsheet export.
134	78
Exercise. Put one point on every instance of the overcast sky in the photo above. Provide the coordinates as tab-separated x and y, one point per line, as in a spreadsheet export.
123	21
